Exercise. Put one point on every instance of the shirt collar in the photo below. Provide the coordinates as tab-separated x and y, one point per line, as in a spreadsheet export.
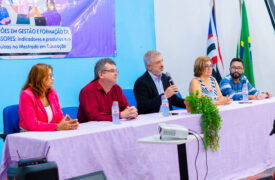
98	85
154	77
100	88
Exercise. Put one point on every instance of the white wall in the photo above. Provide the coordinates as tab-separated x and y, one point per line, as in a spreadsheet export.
181	36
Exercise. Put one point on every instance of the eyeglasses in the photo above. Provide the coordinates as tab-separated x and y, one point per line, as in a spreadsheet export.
209	66
51	75
234	68
112	70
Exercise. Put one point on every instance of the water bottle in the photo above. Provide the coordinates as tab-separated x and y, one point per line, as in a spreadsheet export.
245	92
211	95
115	113
164	108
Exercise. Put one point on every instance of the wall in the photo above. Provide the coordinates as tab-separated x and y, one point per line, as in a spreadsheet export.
182	29
135	34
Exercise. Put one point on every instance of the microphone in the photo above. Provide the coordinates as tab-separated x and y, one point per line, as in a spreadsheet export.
273	130
169	78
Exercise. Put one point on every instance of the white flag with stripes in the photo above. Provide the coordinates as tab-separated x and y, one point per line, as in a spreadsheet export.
213	48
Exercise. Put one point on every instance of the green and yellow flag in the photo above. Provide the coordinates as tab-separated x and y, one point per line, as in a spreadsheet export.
243	50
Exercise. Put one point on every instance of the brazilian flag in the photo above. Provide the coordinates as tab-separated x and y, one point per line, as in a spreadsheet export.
243	50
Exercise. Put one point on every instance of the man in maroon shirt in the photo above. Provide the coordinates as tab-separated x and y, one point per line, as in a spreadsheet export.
96	98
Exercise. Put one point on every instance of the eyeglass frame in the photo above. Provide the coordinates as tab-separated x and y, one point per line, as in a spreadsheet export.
51	75
233	68
209	66
111	70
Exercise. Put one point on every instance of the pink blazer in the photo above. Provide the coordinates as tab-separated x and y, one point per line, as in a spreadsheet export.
32	114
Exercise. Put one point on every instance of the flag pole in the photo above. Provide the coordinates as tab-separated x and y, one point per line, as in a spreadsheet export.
238	45
240	6
214	9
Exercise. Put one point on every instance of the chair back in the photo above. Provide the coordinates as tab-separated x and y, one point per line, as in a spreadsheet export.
129	93
11	119
174	107
71	111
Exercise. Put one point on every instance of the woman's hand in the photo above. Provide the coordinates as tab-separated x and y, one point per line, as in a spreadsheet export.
223	100
67	125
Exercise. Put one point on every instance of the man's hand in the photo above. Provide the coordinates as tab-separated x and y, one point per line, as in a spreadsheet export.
268	94
170	91
261	96
129	113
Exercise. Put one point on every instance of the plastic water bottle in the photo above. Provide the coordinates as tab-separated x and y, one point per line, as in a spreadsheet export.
164	108
115	113
211	95
245	92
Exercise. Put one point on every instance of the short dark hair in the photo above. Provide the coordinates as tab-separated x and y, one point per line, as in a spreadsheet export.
100	65
236	60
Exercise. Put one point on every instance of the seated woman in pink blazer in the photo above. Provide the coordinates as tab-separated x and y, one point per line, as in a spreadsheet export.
39	108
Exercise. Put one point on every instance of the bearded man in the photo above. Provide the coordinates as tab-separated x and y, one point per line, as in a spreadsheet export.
232	84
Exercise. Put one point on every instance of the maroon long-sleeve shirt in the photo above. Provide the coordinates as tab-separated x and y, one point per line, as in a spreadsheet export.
96	105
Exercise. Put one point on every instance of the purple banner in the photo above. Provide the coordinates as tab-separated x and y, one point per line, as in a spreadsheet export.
57	28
